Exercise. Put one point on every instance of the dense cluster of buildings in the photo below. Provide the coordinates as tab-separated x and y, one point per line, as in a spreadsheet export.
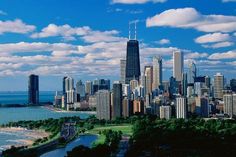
184	94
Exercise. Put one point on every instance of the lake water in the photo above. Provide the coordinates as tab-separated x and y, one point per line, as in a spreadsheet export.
34	113
21	97
85	140
28	113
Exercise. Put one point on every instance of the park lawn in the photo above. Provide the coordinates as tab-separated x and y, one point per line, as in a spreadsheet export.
125	128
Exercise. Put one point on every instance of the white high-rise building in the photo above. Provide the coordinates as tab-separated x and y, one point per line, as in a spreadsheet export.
230	104
218	85
165	112
89	87
103	98
70	96
178	65
157	72
69	83
148	72
181	107
122	70
133	84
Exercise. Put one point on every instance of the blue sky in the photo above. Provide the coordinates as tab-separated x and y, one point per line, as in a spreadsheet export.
87	38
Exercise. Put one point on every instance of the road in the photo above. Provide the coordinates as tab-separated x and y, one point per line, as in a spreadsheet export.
123	146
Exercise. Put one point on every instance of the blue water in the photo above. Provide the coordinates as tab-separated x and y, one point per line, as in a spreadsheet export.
28	113
11	138
85	140
21	97
14	114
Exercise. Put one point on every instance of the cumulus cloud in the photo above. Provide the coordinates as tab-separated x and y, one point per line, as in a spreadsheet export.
195	55
16	26
66	31
3	12
214	37
85	33
191	18
137	1
22	47
219	45
224	55
163	41
228	1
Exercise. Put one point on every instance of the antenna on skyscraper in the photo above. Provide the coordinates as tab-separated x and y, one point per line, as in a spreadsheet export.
135	30
129	30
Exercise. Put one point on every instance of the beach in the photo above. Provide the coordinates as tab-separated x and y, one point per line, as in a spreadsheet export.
24	136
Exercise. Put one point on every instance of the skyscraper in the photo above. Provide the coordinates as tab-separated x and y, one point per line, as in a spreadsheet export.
230	104
80	89
122	70
218	86
132	69
165	112
33	89
184	84
178	65
70	93
69	83
148	72
233	85
192	73
88	87
208	82
117	100
103	104
181	107
157	72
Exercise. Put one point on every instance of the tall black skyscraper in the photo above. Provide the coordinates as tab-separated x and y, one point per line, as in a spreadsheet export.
132	70
117	100
33	89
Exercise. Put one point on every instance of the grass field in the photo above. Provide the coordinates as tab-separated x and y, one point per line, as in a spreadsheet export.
125	128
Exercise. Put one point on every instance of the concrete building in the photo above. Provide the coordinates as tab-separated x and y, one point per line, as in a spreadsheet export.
103	104
218	86
148	72
165	112
33	90
117	100
122	70
89	87
230	104
181	107
157	72
178	65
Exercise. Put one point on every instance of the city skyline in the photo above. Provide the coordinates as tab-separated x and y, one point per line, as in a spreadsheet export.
53	45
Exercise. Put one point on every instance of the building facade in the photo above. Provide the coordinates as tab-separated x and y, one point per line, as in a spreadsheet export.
33	90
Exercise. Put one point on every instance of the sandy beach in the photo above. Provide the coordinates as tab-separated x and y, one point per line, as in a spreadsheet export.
27	137
65	111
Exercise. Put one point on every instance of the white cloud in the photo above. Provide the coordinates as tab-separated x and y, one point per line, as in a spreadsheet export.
228	1
3	12
196	55
66	31
137	1
219	45
106	36
224	55
191	18
214	37
55	48
16	26
163	41
85	33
